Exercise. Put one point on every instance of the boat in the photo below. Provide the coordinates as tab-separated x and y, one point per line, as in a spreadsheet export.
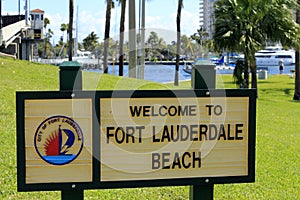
226	59
187	69
218	61
60	142
82	55
220	65
272	55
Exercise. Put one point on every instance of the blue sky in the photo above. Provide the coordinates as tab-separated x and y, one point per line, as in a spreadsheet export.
160	16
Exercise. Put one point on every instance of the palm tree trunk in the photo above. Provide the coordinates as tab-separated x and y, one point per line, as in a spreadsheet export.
297	76
253	73
297	64
45	49
253	76
122	28
142	40
178	41
246	71
106	35
132	54
71	11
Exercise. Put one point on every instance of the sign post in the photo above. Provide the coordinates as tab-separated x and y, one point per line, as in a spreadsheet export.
70	78
203	77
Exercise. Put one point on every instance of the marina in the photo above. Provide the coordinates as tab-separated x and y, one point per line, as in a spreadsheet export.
163	72
166	73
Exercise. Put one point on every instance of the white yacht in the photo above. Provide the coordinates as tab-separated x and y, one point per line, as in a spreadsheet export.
271	56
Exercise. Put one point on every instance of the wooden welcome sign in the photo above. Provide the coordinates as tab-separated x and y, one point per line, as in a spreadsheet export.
118	139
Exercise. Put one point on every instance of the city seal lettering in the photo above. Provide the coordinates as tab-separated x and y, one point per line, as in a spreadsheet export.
58	140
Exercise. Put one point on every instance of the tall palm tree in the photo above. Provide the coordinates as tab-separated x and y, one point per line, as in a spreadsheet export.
122	29
178	19
46	23
142	35
63	28
121	47
245	26
109	6
70	28
297	64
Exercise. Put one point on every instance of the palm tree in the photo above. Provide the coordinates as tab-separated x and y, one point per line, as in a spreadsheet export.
178	18
199	37
90	42
186	46
46	23
297	64
245	26
48	36
152	42
70	28
63	28
132	54
142	35
109	6
122	29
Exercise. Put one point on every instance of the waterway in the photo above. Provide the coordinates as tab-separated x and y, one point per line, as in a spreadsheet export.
156	73
166	73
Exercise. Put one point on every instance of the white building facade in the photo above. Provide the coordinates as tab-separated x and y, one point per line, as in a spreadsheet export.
206	14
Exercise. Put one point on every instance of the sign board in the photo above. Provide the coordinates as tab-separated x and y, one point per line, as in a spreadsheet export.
116	139
58	140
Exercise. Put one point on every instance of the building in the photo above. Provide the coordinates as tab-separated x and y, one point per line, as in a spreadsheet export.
37	24
17	36
206	10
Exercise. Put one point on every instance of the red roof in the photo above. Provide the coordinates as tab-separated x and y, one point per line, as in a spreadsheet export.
37	11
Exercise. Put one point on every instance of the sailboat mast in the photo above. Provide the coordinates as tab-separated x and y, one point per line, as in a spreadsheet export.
59	139
26	12
76	42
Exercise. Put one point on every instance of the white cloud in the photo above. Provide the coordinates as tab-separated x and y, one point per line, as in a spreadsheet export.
189	22
165	26
91	22
55	23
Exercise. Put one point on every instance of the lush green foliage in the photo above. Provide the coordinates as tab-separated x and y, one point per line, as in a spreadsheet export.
246	25
90	42
277	146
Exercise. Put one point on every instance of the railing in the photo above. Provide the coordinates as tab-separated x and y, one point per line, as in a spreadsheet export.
11	19
85	63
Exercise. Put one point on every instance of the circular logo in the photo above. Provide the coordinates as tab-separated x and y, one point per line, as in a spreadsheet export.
58	140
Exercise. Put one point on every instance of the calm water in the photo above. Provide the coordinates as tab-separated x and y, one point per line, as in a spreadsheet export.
166	73
156	73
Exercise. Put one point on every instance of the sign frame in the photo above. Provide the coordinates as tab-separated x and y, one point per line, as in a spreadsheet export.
95	96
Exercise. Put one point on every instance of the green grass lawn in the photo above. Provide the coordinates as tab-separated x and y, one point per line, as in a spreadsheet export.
277	141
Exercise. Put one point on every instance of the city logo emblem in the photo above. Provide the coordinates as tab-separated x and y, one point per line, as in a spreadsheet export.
58	140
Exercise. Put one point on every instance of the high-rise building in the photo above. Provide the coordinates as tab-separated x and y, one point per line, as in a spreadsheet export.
206	14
